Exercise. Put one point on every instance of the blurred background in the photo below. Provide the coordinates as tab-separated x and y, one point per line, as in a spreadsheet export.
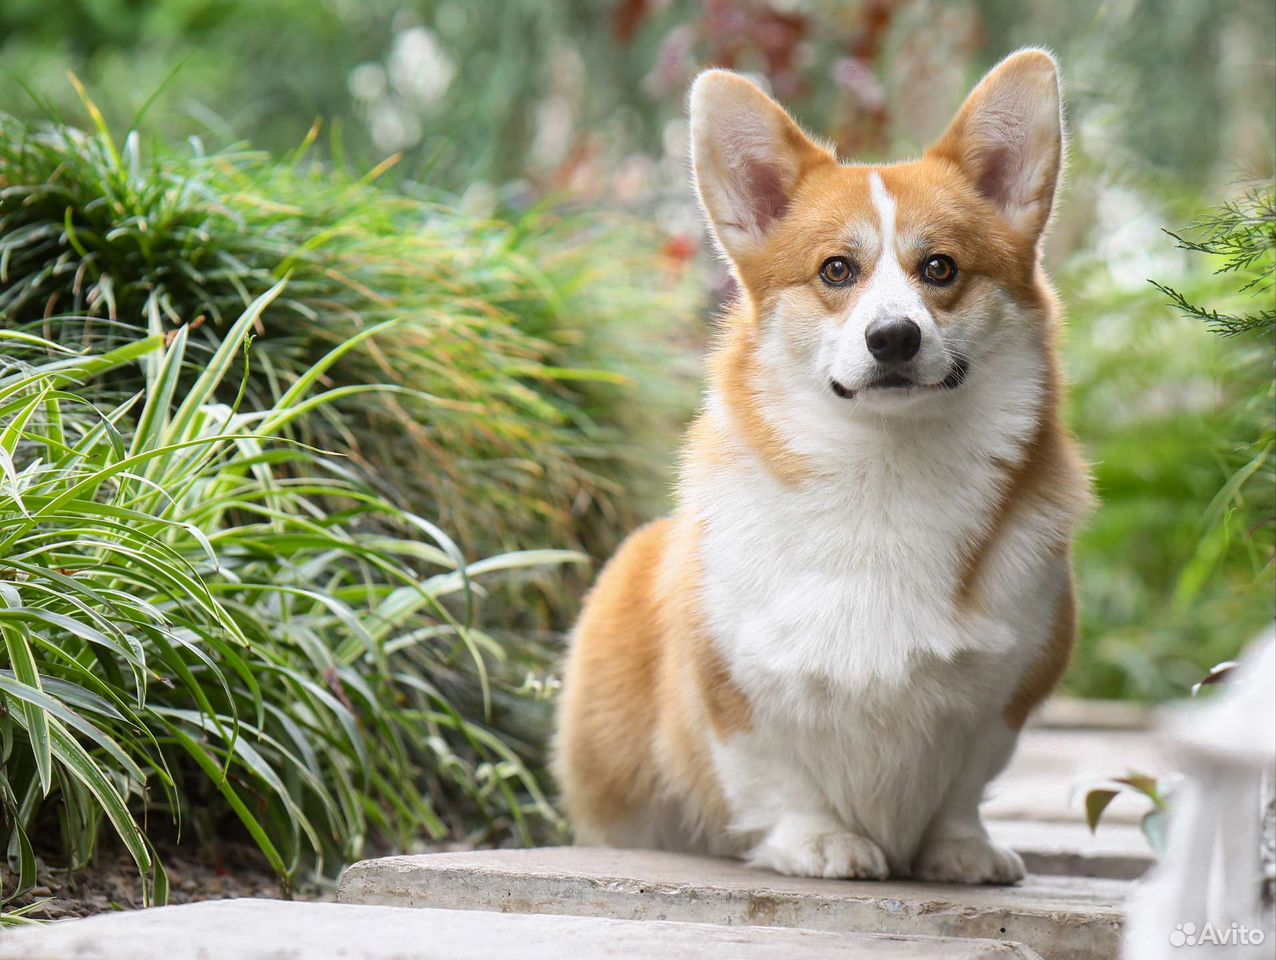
512	177
1170	108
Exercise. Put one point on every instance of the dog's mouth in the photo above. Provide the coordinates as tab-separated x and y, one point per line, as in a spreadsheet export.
955	377
956	374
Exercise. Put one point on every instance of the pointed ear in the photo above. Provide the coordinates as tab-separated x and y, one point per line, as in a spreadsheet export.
1008	138
748	156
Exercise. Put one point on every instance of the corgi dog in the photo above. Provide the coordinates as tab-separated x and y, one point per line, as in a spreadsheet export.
823	656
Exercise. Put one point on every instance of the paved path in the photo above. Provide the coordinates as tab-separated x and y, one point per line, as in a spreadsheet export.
1116	851
280	930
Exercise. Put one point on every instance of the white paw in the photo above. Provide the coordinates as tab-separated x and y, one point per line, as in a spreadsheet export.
845	856
968	860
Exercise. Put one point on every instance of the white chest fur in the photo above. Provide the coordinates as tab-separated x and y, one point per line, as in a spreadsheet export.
851	580
843	587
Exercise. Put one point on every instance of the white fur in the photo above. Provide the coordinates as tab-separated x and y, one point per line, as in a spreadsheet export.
877	703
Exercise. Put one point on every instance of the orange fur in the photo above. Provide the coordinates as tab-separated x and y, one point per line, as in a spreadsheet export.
642	684
733	365
1052	469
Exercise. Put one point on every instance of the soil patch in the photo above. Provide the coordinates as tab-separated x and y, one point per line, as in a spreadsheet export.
112	883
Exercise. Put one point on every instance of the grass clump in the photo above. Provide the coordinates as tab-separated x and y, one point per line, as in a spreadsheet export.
517	345
204	621
208	618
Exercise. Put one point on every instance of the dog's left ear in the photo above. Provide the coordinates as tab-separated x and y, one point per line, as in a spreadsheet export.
748	158
1008	139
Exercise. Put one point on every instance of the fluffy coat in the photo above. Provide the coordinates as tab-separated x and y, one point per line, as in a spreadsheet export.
824	655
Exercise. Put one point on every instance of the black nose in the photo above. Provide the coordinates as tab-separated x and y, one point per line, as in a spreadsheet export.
893	340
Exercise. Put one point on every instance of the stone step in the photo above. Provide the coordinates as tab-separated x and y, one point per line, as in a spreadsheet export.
283	930
1063	918
1071	713
1051	769
1116	851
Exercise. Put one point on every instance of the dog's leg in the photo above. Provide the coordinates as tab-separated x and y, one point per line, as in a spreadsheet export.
773	798
956	847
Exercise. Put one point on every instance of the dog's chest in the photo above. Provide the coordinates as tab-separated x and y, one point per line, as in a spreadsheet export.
833	588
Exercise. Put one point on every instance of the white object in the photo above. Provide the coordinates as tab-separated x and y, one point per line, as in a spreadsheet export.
1203	901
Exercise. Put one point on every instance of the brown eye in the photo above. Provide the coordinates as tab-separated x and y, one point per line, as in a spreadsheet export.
837	271
940	270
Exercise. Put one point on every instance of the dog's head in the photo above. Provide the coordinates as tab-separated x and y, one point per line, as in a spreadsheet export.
888	287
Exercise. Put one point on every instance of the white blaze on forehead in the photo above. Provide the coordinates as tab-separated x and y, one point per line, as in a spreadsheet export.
889	293
884	204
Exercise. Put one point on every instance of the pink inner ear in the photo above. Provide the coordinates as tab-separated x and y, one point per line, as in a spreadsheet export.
765	193
995	177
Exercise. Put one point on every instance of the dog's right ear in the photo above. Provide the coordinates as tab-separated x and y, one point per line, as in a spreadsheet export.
749	157
1008	139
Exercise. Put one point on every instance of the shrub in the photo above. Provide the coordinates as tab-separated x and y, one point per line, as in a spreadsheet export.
203	619
516	344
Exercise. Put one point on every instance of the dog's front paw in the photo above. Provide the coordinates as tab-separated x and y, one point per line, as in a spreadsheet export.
840	855
968	860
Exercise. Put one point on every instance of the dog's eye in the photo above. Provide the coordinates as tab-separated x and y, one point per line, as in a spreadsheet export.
837	271
939	270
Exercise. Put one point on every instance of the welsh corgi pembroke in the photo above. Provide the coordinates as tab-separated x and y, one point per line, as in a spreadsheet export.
823	656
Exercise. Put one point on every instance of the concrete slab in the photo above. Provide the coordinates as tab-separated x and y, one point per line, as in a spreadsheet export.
1117	851
1072	713
1047	778
281	930
1062	918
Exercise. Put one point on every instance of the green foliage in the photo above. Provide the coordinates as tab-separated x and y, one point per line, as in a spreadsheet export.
203	620
1242	234
1154	823
208	617
515	360
1176	567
